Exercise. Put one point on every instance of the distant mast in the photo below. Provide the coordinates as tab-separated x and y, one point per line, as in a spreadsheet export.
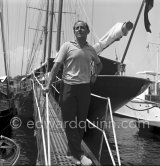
45	32
3	45
50	29
50	34
157	66
59	25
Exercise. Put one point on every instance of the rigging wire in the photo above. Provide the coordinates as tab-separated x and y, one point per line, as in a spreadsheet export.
24	38
17	31
30	57
7	28
67	28
88	21
65	25
35	53
35	46
92	41
55	24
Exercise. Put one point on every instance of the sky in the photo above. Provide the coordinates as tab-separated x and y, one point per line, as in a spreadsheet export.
102	15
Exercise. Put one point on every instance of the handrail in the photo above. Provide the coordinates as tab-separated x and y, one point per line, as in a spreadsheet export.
38	82
48	131
103	131
114	133
100	149
48	127
43	137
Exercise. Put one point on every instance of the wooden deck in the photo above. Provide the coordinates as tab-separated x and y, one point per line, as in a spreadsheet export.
58	141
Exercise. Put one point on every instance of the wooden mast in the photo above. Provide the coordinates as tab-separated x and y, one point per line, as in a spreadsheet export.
45	33
4	47
50	30
59	25
50	34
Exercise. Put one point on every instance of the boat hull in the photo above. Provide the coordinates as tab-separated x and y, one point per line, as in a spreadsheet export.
7	111
140	109
120	89
5	120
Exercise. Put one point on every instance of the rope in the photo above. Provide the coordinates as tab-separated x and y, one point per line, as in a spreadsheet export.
141	109
31	57
33	51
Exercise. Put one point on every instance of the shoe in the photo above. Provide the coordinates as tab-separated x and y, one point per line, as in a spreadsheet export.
85	161
74	160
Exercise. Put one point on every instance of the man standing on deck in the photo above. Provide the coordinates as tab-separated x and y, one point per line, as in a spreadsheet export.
76	57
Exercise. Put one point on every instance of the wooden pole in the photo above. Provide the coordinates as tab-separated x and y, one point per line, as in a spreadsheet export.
59	25
45	32
4	51
134	27
50	30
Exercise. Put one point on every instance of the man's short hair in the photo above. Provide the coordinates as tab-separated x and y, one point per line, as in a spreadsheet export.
86	25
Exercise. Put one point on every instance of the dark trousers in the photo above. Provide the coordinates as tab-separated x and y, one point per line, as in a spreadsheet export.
75	100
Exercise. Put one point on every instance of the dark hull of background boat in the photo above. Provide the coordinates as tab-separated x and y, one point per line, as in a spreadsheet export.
6	114
120	90
5	119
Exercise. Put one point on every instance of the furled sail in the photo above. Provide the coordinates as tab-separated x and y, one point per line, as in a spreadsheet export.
115	33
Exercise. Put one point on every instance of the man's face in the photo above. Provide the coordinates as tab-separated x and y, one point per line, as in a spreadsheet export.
80	30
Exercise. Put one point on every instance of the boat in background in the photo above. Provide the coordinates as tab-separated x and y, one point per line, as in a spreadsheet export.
145	108
9	151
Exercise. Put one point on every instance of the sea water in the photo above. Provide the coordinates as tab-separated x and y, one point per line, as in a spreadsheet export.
137	146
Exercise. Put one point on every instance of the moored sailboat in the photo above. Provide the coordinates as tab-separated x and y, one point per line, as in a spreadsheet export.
145	108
